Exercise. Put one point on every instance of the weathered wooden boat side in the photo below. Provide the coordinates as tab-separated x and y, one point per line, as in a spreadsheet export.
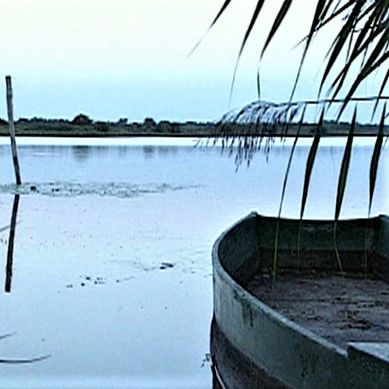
255	346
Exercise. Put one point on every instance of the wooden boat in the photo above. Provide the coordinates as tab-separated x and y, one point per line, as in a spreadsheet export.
313	327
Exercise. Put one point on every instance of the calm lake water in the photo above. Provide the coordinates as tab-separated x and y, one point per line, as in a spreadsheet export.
111	271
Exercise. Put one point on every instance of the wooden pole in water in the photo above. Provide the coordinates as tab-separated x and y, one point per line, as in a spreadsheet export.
12	129
10	253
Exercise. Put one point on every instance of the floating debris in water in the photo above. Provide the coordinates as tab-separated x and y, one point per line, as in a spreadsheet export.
96	281
85	280
124	279
73	189
166	265
207	360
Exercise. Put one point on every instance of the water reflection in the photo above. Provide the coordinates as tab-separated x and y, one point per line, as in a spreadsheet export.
162	151
10	252
167	150
81	153
148	151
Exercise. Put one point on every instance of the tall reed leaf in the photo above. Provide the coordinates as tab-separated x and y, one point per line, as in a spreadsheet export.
376	158
220	13
373	173
245	38
342	181
381	91
290	160
277	23
339	42
375	60
310	162
307	178
20	361
23	361
217	17
334	14
320	8
284	190
360	47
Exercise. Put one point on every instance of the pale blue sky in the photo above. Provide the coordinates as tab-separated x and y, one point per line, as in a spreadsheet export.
117	58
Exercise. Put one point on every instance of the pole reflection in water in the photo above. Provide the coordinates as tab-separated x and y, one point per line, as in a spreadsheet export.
8	281
10	253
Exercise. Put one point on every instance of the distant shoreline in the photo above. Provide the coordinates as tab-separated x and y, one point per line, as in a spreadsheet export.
183	136
84	127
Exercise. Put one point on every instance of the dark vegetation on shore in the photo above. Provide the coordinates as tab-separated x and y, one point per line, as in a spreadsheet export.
84	126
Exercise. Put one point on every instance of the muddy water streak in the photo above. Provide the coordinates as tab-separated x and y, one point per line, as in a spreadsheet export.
111	269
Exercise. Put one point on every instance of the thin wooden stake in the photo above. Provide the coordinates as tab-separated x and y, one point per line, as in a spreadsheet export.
12	130
10	253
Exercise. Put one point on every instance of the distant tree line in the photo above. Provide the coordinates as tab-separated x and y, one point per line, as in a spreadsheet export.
83	125
84	120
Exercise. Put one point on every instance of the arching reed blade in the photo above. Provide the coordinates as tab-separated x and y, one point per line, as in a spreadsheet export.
310	163
277	23
23	361
245	38
20	361
308	172
284	190
376	158
342	182
217	17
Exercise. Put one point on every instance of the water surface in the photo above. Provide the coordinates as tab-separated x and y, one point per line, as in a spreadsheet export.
111	270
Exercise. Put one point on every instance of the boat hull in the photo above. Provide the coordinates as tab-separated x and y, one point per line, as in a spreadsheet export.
255	346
